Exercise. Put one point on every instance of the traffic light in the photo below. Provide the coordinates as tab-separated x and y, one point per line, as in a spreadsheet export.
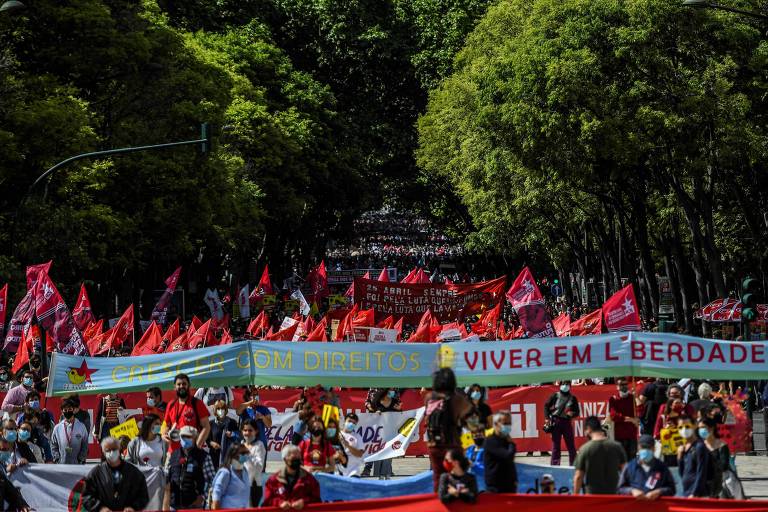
205	137
750	298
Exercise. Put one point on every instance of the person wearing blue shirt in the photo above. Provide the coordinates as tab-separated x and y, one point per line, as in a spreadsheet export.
232	485
693	461
645	476
251	408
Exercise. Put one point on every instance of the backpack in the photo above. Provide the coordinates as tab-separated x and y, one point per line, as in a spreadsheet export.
192	403
439	420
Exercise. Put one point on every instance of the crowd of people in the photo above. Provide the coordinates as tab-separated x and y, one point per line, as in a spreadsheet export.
212	451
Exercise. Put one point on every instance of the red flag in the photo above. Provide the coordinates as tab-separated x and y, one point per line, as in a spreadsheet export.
195	323
387	323
34	271
23	313
428	329
502	333
528	302
409	276
384	276
173	331
150	341
82	312
345	326
202	336
263	288
160	313
399	327
3	307
179	344
588	324
93	329
421	277
319	332
363	319
318	280
122	329
226	338
258	325
220	324
284	334
309	324
29	338
562	324
486	325
350	293
54	316
621	311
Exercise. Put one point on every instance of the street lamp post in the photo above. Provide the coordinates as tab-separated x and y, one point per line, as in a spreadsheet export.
706	4
12	7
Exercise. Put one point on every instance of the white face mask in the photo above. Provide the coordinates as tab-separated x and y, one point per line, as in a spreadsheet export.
221	413
112	455
686	432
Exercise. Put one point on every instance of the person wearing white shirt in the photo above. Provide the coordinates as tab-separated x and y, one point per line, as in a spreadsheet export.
353	445
69	439
258	456
148	448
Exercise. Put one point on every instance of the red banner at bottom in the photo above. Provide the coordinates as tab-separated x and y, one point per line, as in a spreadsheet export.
536	503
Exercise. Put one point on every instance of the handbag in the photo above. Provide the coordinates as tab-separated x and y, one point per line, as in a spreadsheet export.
548	427
732	488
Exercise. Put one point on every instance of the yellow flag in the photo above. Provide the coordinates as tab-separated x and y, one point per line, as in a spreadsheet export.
314	310
467	440
330	412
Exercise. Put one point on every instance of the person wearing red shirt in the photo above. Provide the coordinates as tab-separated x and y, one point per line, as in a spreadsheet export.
185	410
674	392
621	408
317	452
292	487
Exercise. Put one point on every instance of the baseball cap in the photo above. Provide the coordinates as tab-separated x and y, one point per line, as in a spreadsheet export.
646	441
547	478
188	431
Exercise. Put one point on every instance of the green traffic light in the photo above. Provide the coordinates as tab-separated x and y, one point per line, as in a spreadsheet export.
557	281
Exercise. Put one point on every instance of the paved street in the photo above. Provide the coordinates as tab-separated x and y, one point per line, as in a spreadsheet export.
753	470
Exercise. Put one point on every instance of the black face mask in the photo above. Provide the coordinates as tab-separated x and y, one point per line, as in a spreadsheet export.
294	464
317	432
479	441
68	414
182	393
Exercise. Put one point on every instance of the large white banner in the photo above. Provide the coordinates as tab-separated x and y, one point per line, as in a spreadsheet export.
389	432
57	487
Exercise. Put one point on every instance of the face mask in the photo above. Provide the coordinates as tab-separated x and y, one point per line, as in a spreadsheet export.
703	433
317	432
391	393
156	429
68	414
243	458
686	432
236	465
448	466
506	430
112	455
256	398
150	402
3	377
27	382
10	436
349	427
182	393
479	441
294	464
221	413
5	457
35	404
476	395
249	438
186	443
623	394
330	432
645	454
24	435
565	388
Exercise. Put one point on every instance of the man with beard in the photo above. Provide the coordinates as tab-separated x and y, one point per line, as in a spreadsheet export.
185	411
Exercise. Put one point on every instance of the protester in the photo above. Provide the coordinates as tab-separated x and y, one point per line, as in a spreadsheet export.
559	411
621	408
224	432
599	461
317	452
81	415
353	446
5	381
547	484
114	484
209	396
38	437
718	451
10	497
444	411
701	404
651	398
26	448
257	460
155	403
330	397
476	453
14	400
333	435
12	458
185	411
499	456
108	414
292	487
457	483
694	461
674	407
381	400
46	420
251	408
301	427
148	448
190	472
232	484
645	477
482	409
69	440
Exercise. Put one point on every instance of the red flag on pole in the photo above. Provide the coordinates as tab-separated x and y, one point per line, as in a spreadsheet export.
428	329
409	276
202	336
528	302
82	312
122	329
387	323
93	329
318	280
29	338
399	327
179	344
486	325
621	311
263	288
160	313
173	331
350	293
562	325
150	341
588	324
3	307
53	315
344	329
226	338
34	271
258	325
383	276
319	332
